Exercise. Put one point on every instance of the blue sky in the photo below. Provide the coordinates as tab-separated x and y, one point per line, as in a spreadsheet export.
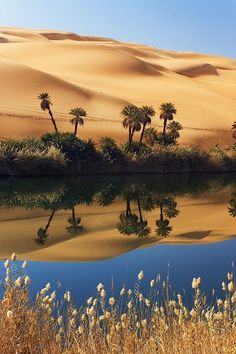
192	25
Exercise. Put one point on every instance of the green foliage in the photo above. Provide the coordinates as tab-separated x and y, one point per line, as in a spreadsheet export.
150	136
233	147
29	156
74	149
110	150
169	139
136	148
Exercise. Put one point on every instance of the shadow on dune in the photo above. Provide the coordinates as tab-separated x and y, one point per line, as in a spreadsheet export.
194	235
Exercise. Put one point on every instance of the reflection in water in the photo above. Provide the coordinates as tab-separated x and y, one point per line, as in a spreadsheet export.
130	223
168	210
232	205
42	234
136	206
90	230
74	227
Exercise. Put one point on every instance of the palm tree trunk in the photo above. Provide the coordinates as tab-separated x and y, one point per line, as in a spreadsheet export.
128	207
161	213
140	210
50	219
129	144
53	120
164	131
73	214
142	133
132	134
76	127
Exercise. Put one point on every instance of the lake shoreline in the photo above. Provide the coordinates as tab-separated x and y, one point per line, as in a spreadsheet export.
14	171
65	155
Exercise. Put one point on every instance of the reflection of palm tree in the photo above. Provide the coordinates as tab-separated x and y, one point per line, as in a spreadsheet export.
131	224
163	229
168	209
42	234
142	228
127	224
107	195
232	206
128	220
75	228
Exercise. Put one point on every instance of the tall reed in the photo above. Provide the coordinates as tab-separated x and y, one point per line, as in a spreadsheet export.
132	323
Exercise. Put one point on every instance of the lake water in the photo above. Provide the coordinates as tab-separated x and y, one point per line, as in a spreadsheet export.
77	232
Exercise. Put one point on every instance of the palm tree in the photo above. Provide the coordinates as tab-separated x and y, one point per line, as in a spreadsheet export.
150	135
128	223
142	228
167	113
174	128
131	120
136	124
128	220
163	229
168	209
46	106
107	195
147	112
74	221
232	206
78	113
234	130
42	234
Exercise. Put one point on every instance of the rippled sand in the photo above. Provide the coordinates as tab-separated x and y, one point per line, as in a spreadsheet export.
103	75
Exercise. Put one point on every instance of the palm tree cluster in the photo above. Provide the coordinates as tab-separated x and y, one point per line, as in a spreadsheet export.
78	113
133	224
136	119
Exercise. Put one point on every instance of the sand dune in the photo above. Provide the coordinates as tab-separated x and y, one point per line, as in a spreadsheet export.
102	75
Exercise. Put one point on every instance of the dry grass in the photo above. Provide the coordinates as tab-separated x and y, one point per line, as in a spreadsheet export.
131	324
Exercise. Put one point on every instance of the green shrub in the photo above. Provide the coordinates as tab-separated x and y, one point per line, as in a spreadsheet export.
233	147
9	148
30	157
136	148
175	158
74	149
169	139
110	150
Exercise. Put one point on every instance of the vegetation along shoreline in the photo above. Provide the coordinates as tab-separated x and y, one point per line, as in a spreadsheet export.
147	150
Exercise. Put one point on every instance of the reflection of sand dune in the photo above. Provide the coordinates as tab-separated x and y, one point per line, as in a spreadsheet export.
102	75
200	221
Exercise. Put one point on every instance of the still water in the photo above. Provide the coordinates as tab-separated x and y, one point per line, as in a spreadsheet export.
77	232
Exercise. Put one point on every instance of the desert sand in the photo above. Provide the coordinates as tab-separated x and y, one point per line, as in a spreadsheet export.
201	220
102	75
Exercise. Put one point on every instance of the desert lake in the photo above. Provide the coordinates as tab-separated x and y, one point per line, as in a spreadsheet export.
78	232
